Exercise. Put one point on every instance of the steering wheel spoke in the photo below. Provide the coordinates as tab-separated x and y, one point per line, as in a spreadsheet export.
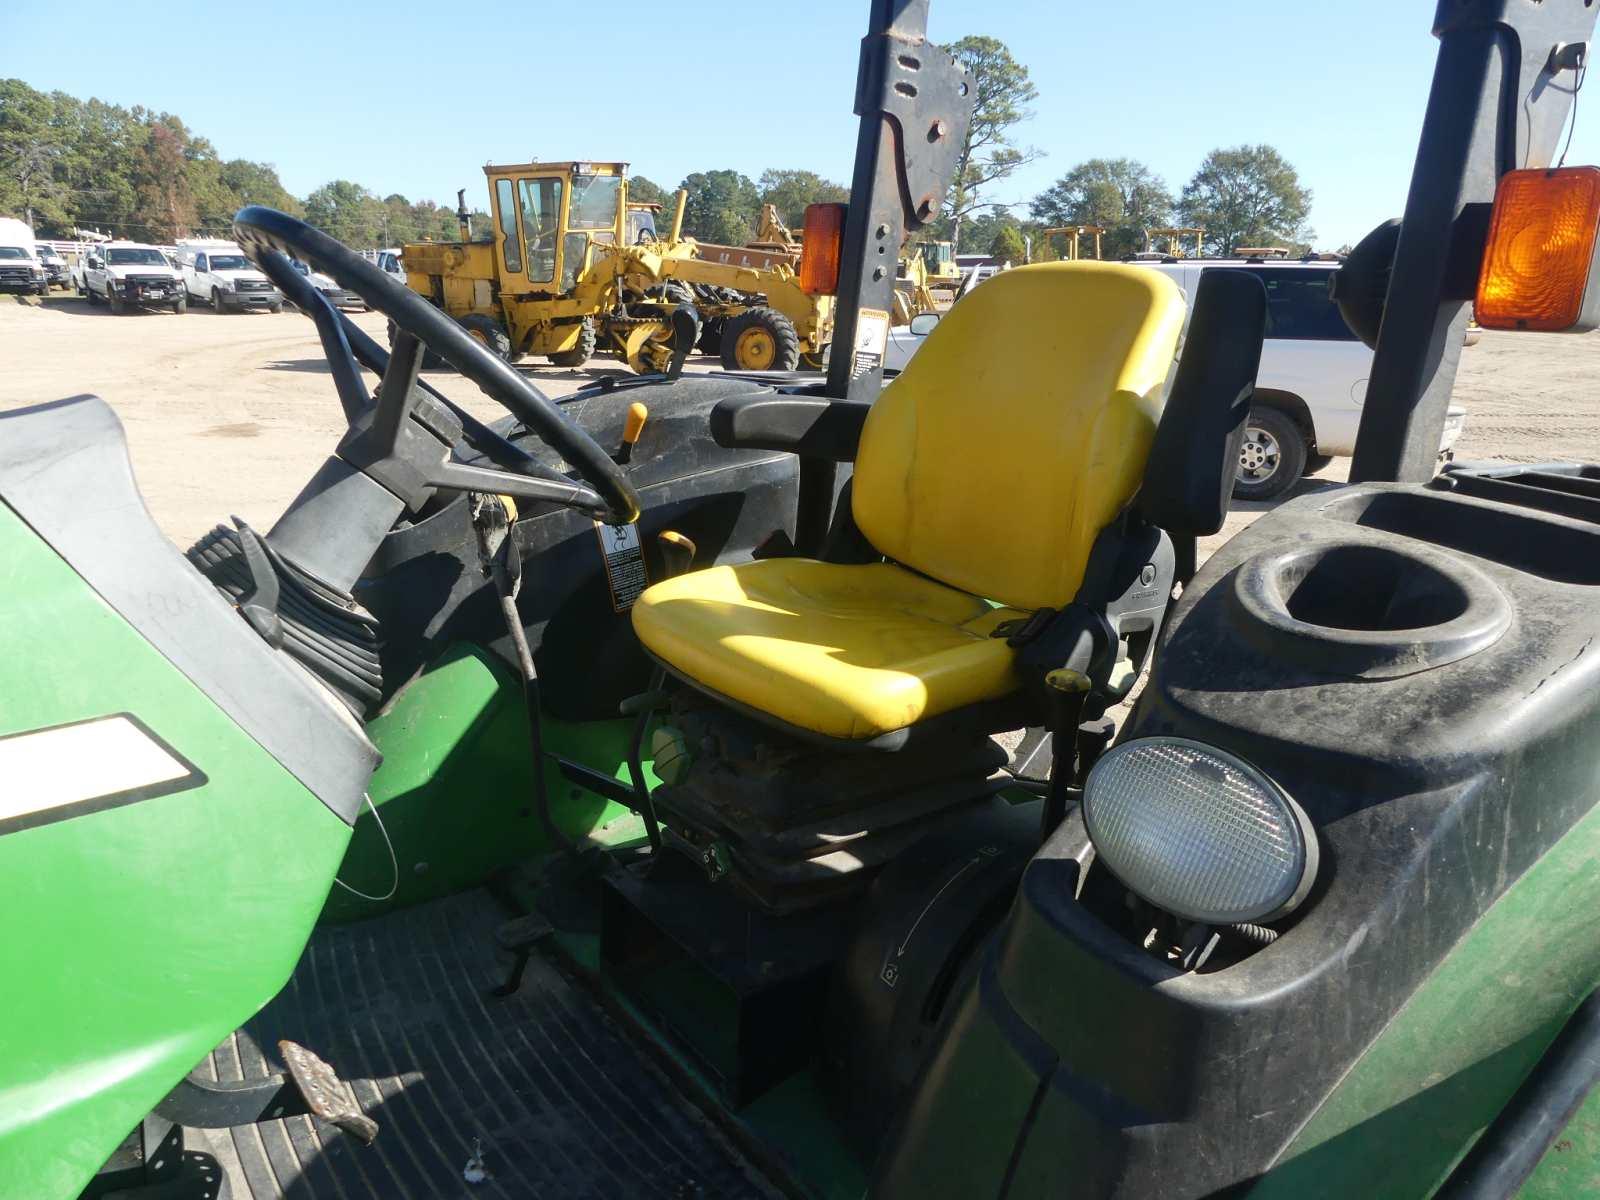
353	395
395	392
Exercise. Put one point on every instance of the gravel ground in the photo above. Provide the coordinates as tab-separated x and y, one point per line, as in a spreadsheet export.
230	414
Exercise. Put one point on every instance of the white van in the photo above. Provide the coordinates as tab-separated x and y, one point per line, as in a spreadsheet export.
1313	377
20	268
218	273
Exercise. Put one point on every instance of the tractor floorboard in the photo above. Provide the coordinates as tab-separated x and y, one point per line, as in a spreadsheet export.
559	1099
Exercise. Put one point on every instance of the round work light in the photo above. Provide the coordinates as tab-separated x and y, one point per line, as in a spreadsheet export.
1199	832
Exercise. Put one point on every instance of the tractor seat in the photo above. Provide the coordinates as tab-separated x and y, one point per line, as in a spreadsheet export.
984	474
847	652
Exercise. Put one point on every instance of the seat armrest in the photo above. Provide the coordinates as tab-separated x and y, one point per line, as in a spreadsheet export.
810	426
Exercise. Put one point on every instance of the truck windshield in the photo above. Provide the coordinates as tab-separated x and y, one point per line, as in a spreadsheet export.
594	201
13	252
135	258
229	262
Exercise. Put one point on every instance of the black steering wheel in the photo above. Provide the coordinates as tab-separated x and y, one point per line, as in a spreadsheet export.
271	238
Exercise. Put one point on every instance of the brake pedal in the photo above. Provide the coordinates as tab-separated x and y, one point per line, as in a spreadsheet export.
519	937
326	1095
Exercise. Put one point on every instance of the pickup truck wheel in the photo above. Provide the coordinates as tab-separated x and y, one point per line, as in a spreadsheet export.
1272	456
116	303
216	300
181	304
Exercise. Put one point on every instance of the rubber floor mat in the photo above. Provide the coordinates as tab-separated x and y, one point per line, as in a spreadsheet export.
539	1092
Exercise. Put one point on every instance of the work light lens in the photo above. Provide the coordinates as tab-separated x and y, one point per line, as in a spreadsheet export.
1198	832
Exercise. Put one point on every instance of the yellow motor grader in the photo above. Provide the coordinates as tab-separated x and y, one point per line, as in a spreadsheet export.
570	268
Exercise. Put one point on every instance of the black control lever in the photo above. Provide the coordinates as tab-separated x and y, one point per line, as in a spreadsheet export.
685	333
259	606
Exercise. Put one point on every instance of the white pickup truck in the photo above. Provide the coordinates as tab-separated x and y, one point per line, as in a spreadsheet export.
218	273
125	274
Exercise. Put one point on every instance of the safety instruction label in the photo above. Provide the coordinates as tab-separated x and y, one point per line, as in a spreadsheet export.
624	559
872	339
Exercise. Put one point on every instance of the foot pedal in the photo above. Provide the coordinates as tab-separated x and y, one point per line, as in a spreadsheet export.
326	1095
518	937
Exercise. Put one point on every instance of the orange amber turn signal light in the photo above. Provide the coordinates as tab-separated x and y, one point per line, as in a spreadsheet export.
819	253
1539	263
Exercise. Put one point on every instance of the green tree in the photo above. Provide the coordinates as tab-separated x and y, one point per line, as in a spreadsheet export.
978	234
792	190
32	148
1122	194
1247	196
1007	246
644	191
258	183
722	207
164	202
346	211
103	141
1001	92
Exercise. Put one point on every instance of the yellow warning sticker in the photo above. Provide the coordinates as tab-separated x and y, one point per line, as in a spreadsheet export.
872	338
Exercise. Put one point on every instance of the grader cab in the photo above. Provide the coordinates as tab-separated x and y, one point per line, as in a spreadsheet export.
570	268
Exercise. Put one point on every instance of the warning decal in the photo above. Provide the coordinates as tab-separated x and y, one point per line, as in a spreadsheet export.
872	338
624	558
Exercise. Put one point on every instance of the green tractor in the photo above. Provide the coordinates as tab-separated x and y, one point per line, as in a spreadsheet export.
611	800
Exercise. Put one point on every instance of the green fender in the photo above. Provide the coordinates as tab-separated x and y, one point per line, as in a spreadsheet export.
139	930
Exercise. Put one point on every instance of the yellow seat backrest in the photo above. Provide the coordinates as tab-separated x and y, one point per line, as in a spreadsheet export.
1020	429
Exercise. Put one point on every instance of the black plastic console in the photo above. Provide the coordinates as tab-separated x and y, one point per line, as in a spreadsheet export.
1420	670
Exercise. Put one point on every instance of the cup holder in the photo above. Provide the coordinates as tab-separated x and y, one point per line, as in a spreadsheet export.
1369	610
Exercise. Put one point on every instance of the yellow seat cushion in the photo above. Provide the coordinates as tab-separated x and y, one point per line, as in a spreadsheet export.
845	651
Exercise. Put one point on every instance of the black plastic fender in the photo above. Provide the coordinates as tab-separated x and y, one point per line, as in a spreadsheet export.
912	958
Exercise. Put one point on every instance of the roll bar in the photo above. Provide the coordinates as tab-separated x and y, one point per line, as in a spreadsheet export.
1500	98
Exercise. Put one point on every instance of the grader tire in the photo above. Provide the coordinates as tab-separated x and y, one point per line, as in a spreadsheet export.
490	333
582	352
760	339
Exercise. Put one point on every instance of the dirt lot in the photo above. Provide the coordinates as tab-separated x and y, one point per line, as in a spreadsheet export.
231	414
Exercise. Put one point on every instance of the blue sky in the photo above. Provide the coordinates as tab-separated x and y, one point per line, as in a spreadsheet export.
399	98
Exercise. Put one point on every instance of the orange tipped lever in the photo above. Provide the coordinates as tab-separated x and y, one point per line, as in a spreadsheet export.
632	429
677	552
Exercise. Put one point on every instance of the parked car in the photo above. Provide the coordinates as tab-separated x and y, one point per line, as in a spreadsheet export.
339	297
55	267
1313	377
218	273
20	269
1312	382
905	340
132	273
389	263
